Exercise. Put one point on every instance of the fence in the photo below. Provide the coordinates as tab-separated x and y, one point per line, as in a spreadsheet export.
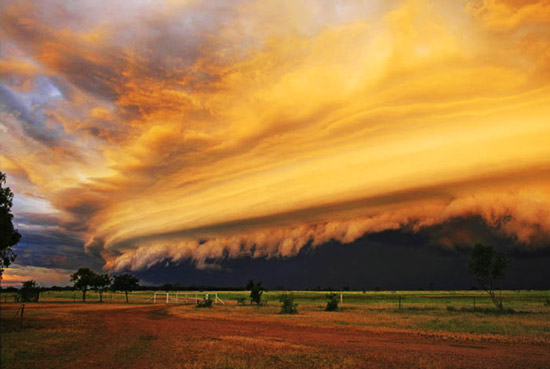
350	299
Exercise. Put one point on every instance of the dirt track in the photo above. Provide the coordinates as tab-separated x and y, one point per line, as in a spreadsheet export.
152	336
366	346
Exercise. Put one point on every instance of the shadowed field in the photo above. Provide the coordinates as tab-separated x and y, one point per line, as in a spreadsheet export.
422	334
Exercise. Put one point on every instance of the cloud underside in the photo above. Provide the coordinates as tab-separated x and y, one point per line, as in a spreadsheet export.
17	274
204	131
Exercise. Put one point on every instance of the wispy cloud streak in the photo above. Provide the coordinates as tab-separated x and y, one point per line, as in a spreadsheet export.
201	130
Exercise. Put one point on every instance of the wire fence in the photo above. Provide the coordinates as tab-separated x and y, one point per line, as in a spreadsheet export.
406	300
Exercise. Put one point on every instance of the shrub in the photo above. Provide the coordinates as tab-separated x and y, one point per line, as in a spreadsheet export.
547	302
256	292
205	303
287	304
332	303
29	292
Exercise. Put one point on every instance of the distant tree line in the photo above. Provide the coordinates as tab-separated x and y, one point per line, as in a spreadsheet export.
179	287
487	265
200	288
85	279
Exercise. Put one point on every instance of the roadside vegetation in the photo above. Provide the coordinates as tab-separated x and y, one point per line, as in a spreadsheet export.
63	334
288	306
332	303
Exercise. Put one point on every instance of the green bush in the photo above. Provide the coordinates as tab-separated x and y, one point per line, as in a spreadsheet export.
287	304
547	302
205	303
29	292
256	291
332	303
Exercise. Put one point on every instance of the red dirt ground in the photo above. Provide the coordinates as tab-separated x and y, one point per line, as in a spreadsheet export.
169	340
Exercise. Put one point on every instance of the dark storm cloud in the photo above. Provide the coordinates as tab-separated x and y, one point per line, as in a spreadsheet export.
39	219
50	247
391	260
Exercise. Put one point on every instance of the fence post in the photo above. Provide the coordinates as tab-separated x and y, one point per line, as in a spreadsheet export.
167	294
22	310
341	299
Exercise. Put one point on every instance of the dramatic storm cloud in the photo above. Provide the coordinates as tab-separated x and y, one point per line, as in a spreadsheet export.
196	131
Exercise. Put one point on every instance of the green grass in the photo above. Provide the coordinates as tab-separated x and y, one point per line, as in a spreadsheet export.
517	300
54	334
482	324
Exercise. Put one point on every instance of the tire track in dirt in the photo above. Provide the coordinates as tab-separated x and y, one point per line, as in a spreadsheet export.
157	322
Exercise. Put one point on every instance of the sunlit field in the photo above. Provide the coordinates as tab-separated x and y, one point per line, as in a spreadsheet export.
430	329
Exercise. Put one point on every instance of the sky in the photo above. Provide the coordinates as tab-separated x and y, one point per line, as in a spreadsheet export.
202	140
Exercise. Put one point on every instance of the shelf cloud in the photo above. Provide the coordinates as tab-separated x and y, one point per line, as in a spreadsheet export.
201	130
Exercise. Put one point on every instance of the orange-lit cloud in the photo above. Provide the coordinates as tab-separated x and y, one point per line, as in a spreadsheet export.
206	130
16	275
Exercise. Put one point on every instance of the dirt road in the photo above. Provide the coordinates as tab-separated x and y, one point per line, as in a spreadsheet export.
367	347
155	337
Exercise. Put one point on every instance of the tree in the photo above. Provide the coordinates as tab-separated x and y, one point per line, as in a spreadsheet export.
9	236
287	304
488	267
100	283
29	292
332	303
256	291
126	283
82	279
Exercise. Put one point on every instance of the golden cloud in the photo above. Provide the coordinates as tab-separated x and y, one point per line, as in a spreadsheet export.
204	131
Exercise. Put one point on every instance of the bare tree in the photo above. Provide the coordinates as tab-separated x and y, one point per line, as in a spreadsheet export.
488	267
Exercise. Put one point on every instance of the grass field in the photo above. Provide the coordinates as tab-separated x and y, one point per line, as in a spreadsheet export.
523	300
435	329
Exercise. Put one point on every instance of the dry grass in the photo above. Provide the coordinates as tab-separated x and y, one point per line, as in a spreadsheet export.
231	336
531	327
